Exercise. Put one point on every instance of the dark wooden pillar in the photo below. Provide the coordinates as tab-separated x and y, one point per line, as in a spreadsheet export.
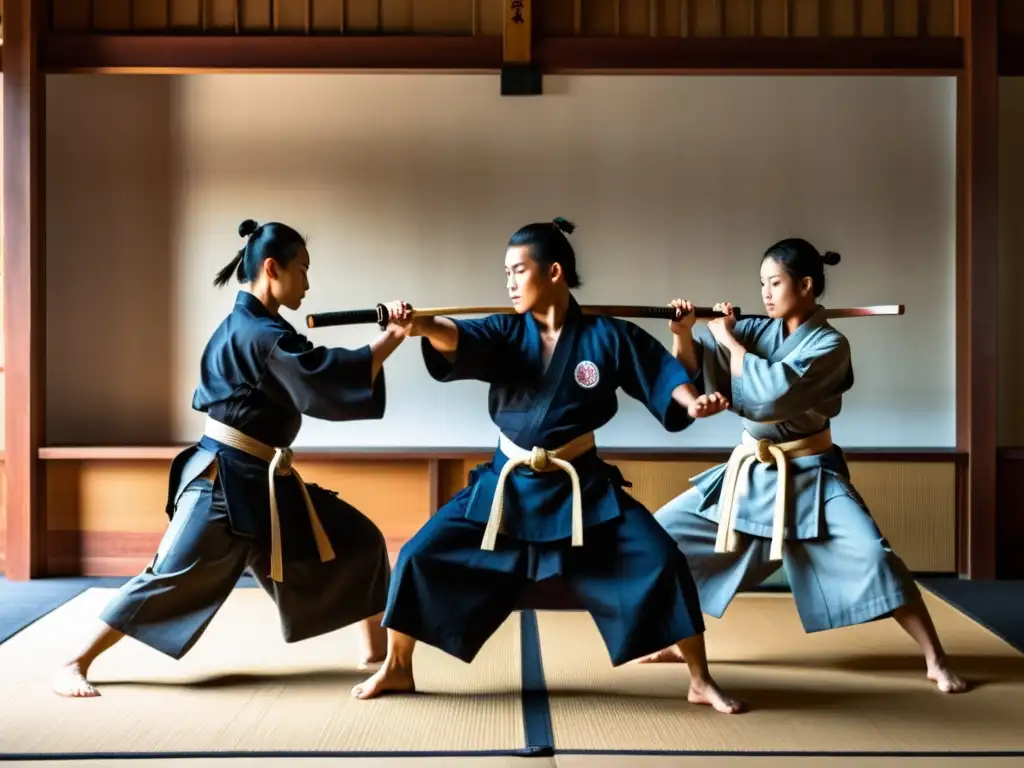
24	305
977	280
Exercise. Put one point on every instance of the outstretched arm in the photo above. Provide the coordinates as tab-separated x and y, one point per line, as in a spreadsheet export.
441	332
331	383
699	406
648	373
455	350
334	383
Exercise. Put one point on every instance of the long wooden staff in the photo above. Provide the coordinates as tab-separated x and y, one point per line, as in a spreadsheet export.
379	315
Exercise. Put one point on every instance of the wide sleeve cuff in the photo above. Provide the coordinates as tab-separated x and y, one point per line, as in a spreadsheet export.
474	354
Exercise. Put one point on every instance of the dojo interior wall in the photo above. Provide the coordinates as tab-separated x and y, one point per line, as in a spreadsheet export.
136	227
410	185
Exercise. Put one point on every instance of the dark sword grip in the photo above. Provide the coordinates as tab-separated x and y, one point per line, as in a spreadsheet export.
702	313
348	317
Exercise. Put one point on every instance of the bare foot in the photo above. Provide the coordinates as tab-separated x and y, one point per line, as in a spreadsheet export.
388	678
945	678
710	693
70	681
671	655
374	644
374	654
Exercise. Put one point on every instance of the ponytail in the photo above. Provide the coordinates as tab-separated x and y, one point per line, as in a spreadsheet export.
235	266
564	225
271	240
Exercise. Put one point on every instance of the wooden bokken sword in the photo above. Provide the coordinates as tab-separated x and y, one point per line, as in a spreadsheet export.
379	314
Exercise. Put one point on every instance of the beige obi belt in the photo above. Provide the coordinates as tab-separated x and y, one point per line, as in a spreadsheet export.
280	461
735	483
539	460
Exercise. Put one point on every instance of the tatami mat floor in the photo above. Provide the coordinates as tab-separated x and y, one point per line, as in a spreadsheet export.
999	666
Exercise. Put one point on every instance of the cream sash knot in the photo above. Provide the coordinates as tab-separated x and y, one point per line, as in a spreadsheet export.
539	460
737	471
280	461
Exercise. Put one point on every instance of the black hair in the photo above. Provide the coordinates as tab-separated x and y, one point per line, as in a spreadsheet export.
264	241
799	259
549	245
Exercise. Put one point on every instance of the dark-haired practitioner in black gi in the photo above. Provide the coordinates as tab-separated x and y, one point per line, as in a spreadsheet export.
233	498
547	504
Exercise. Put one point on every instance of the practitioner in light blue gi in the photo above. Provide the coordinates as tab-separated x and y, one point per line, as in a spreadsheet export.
785	496
547	504
234	500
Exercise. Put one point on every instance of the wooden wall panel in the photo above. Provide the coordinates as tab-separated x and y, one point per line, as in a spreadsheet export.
555	18
449	17
327	16
1011	17
253	15
106	517
70	15
186	15
490	17
291	16
452	478
707	18
111	15
398	15
363	16
220	15
914	505
941	18
149	15
913	502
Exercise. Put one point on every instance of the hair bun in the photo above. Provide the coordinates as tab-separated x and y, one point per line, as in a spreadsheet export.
830	257
247	227
564	225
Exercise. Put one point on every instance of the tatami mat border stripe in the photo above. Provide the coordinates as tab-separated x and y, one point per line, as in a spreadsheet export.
540	739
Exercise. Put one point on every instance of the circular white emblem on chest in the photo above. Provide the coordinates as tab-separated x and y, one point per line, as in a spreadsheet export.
587	375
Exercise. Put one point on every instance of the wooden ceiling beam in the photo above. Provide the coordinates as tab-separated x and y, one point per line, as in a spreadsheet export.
179	54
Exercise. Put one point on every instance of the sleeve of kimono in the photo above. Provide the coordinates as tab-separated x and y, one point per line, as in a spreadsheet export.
714	373
769	392
331	383
478	355
648	372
